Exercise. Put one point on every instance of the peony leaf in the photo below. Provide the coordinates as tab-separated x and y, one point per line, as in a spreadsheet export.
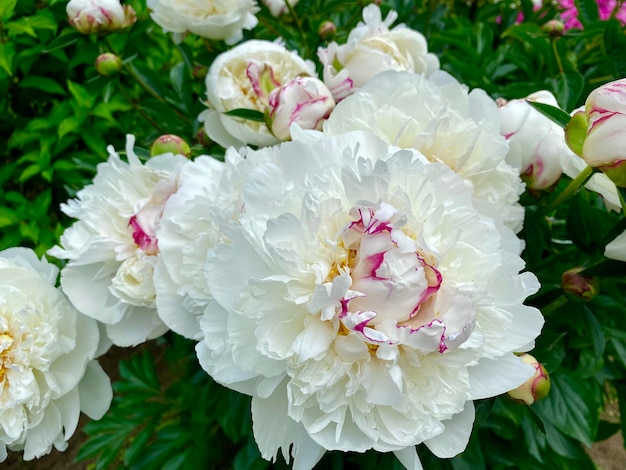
249	114
571	406
551	112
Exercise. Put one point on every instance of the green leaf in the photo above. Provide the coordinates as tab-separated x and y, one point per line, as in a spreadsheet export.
249	457
81	95
7	217
7	51
43	83
249	114
553	113
67	38
7	8
615	45
568	87
571	407
584	224
587	11
595	330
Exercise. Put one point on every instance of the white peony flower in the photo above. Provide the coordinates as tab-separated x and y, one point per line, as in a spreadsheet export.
364	301
211	19
536	144
112	248
243	78
302	100
190	226
373	48
99	16
617	248
438	117
279	7
47	372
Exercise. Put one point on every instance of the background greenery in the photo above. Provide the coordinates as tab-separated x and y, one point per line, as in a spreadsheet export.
57	116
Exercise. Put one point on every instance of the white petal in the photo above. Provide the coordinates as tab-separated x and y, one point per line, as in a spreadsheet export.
95	391
492	377
454	439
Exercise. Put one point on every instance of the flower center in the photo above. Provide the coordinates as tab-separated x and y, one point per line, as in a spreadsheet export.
6	341
390	278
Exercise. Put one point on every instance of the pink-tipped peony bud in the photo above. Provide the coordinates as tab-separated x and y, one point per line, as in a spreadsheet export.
578	287
598	134
327	30
535	388
554	28
535	142
108	64
170	143
99	16
305	101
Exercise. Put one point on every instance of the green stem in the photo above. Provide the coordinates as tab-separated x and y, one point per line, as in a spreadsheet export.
569	191
554	305
146	87
298	22
139	110
556	55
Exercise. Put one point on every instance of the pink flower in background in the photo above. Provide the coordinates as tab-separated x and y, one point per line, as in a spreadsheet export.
605	10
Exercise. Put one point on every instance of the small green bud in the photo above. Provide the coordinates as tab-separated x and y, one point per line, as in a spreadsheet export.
170	143
576	132
108	64
327	30
535	388
554	28
578	287
202	137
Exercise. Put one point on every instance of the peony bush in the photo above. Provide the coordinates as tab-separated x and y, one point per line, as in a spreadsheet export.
318	234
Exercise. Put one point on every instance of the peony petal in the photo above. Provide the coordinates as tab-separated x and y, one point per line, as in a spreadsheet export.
95	391
454	439
492	377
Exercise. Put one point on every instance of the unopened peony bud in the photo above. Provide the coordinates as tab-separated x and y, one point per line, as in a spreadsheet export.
108	64
554	28
327	30
202	137
170	143
578	287
99	16
303	100
535	388
199	71
279	7
535	142
598	134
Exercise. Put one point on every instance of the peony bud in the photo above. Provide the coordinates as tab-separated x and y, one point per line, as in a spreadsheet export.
578	287
99	16
279	7
535	388
170	143
554	28
598	134
535	142
303	100
327	30
202	137
108	64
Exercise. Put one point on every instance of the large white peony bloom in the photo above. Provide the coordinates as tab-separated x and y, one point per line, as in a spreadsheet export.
211	19
438	117
47	375
243	78
373	48
364	301
112	248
